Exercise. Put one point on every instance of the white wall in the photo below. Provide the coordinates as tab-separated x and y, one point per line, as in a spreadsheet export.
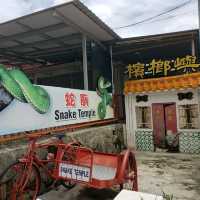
154	97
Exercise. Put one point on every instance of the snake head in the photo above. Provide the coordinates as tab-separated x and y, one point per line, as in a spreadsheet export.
103	83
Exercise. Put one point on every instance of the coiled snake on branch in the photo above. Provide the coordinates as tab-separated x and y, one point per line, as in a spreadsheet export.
106	98
17	84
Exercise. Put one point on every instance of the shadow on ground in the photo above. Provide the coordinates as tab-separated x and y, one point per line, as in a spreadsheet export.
173	173
90	193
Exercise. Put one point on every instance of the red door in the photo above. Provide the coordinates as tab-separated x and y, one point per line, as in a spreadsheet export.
170	118
164	120
158	124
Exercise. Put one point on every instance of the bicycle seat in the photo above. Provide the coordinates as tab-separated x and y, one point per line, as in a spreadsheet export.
60	136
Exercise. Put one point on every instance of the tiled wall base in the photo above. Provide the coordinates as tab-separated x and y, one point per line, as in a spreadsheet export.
189	142
144	140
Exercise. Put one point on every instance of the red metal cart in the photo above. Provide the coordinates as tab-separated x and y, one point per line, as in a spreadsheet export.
72	164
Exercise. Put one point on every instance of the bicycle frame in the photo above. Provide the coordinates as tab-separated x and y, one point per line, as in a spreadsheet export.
77	158
31	158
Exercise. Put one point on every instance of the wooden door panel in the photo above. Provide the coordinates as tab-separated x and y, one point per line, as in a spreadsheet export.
170	118
158	124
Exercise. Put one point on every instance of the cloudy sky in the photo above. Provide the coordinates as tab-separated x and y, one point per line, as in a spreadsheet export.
138	17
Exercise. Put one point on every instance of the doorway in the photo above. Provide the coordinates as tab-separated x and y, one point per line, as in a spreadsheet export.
164	122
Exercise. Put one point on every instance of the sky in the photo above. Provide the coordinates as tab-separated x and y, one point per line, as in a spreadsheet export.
145	17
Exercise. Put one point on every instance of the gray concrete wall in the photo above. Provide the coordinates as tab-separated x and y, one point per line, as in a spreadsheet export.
98	138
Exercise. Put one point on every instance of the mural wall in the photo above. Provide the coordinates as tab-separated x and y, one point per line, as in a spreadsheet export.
25	107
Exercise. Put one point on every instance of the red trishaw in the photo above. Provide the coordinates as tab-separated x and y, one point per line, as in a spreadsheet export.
71	164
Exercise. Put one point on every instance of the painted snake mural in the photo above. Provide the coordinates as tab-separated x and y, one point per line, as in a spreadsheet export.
106	98
17	84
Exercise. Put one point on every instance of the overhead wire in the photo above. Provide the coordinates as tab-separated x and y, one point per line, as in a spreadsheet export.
155	16
169	17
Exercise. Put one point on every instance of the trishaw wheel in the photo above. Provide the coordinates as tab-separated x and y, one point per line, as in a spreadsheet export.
130	174
68	184
17	184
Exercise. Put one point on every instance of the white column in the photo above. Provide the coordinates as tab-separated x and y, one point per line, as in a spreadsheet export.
130	120
85	67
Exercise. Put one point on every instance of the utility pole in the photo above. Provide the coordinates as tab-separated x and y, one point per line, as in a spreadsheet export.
199	11
199	30
85	66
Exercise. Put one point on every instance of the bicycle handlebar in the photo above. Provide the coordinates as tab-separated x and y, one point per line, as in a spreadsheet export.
33	138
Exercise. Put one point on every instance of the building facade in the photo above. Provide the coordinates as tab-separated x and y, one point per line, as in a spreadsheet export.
161	82
162	108
158	76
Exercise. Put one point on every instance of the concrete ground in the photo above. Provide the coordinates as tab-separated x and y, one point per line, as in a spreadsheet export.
177	174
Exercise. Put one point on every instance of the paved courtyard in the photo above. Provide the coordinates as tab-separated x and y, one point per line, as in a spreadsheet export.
177	174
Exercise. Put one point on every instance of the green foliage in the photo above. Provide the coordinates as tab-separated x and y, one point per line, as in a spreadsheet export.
168	196
165	197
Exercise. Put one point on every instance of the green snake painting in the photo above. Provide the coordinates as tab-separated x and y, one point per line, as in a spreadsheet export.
106	98
17	84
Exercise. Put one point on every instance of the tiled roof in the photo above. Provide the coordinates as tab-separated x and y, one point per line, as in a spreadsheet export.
164	83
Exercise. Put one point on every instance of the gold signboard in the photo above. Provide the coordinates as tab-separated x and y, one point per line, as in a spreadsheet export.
159	67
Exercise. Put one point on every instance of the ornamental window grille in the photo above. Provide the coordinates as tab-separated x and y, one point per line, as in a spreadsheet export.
143	117
188	116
